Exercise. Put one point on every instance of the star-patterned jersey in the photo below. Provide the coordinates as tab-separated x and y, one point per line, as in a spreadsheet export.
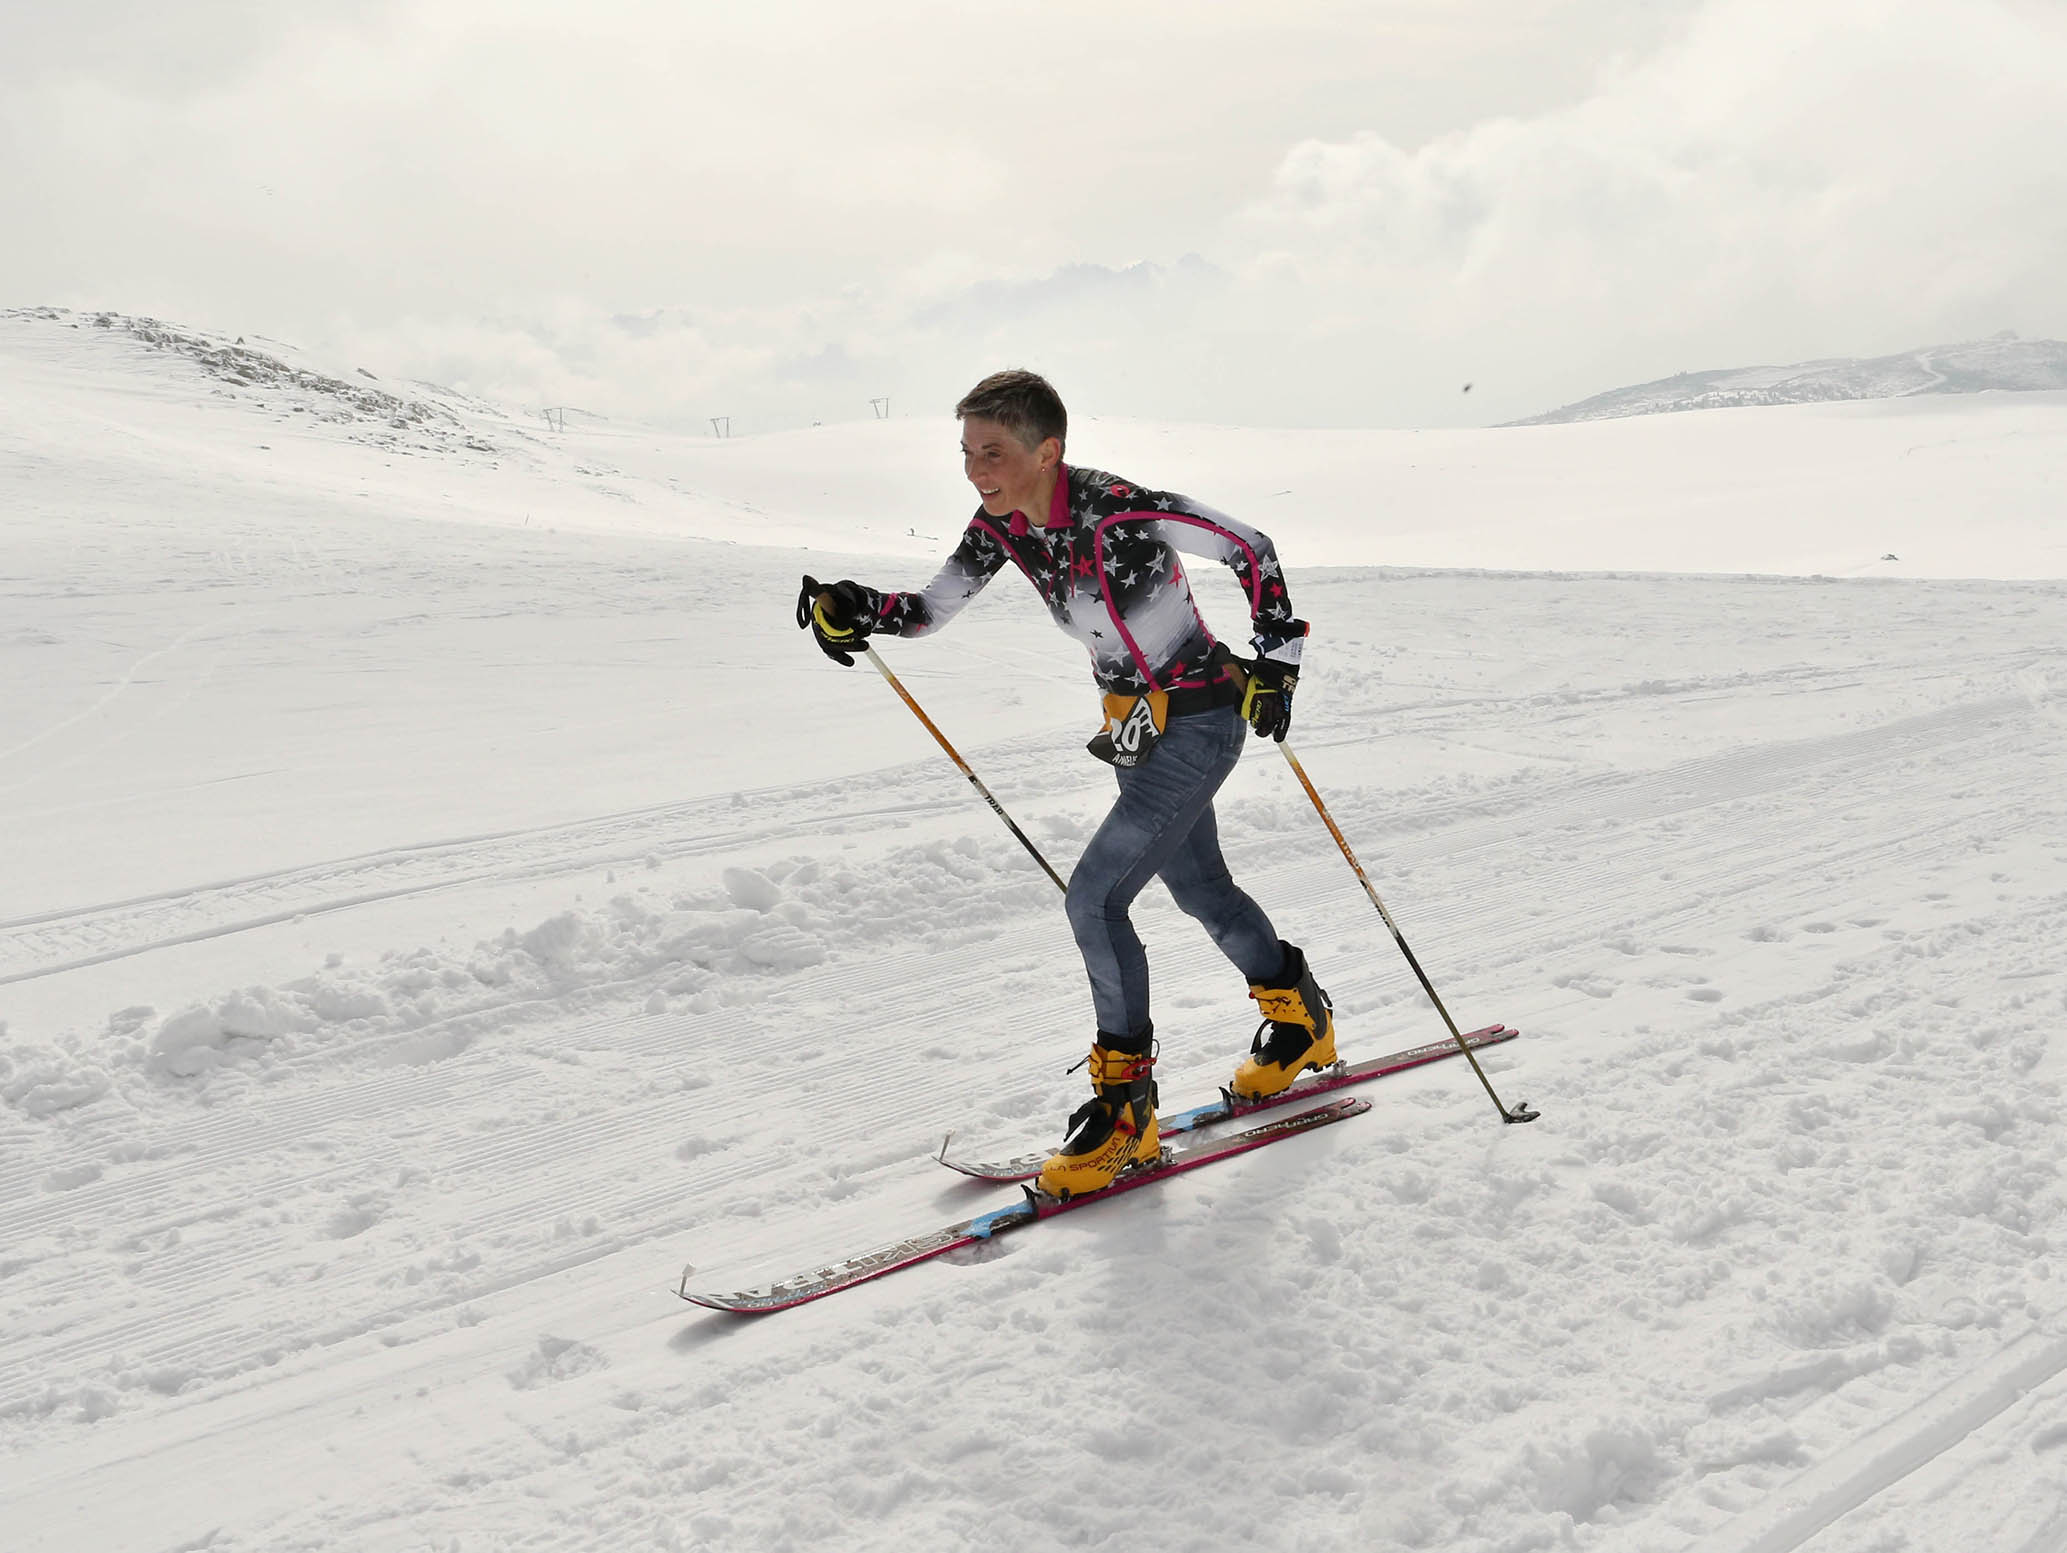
1106	565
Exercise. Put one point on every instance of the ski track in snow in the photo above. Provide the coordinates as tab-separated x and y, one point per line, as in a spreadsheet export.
59	941
223	1222
378	1253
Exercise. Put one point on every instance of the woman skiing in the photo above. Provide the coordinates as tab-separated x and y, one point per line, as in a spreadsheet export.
1101	553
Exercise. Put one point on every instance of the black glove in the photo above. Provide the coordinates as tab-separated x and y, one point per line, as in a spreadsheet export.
838	615
1273	676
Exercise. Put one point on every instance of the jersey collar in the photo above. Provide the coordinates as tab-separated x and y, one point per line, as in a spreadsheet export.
1058	506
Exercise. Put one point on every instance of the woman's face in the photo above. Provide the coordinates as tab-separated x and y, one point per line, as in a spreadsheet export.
1006	473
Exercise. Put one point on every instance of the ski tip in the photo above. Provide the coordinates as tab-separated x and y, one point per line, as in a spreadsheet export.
944	1142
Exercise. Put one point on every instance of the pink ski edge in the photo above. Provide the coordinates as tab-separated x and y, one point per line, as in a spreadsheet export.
745	1302
1007	1171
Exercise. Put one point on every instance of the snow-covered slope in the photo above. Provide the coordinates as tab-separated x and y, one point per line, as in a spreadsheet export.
2001	363
1838	489
441	894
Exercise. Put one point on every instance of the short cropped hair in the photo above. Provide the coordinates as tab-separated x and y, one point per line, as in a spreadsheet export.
1020	401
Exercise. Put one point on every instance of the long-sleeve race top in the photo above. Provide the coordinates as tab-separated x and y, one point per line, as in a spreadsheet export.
1105	564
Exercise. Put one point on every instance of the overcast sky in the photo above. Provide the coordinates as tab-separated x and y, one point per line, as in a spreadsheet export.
1300	212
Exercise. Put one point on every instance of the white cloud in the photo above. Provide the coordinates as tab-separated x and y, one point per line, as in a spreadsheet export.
160	50
1784	180
779	212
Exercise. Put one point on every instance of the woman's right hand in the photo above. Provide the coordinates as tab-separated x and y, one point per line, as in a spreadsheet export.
838	616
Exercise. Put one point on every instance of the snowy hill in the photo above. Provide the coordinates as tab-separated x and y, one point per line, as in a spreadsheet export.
1729	495
2002	363
265	375
442	894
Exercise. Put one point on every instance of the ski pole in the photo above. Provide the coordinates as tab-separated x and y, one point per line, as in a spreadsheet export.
919	712
1520	1112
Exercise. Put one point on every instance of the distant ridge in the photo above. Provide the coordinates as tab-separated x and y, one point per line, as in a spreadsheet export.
278	380
245	366
2001	362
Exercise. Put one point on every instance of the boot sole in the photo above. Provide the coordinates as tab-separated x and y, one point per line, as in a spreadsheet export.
1162	1158
1297	1074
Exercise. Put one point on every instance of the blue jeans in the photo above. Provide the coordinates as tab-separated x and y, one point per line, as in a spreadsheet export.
1163	826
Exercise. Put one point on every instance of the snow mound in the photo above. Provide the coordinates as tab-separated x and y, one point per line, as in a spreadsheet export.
556	1359
42	1082
683	949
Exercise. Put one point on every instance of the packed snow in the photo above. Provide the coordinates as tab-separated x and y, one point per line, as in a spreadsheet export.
442	895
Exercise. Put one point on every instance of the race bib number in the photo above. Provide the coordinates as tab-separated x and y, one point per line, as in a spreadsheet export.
1133	725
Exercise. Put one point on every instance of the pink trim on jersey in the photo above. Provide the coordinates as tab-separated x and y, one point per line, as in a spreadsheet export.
992	529
1177	575
982	522
1255	571
1105	587
1058	504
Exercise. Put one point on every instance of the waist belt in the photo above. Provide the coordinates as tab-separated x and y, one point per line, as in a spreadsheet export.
1204	698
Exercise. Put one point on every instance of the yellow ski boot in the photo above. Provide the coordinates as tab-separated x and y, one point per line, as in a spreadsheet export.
1301	1023
1116	1127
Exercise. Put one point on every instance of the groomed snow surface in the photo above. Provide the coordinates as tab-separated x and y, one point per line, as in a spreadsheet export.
441	895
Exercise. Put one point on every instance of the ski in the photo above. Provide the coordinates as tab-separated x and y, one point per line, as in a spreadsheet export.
1026	1166
1189	1155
